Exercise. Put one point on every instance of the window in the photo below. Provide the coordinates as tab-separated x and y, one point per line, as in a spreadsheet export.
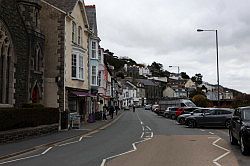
74	65
80	66
93	75
73	32
79	35
99	78
77	66
93	45
99	55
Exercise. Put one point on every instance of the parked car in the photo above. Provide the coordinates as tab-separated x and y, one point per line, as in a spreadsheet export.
154	107
239	130
172	112
126	108
148	107
184	110
182	118
214	117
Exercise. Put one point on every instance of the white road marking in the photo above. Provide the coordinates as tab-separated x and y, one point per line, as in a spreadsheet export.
134	149
202	130
24	158
133	144
11	161
152	134
215	161
211	133
148	128
68	143
46	150
142	134
81	138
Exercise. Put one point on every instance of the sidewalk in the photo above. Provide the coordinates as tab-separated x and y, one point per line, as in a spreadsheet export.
13	149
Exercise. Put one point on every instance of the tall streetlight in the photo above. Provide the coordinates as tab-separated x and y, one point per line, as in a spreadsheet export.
217	53
178	78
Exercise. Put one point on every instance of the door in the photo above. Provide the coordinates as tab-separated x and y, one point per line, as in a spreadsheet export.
210	119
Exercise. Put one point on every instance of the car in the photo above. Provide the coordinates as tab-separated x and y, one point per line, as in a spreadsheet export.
239	129
154	107
213	118
184	110
167	112
182	118
148	107
172	112
126	108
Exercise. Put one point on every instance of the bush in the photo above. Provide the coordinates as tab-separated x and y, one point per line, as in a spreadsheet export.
201	101
12	118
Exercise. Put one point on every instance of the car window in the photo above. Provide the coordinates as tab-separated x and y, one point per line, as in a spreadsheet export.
246	114
198	111
237	112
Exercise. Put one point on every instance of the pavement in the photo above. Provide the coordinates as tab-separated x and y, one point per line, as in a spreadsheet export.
33	143
139	138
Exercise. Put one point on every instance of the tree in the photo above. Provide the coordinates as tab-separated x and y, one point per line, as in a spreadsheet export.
184	75
201	101
157	70
197	78
198	91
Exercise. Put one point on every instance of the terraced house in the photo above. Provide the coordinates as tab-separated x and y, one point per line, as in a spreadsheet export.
66	28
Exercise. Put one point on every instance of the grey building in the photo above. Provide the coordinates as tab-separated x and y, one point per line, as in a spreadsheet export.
21	53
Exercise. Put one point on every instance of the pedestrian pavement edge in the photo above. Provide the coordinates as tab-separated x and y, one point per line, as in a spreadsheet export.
60	140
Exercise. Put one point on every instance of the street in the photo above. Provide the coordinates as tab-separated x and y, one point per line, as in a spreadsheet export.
140	139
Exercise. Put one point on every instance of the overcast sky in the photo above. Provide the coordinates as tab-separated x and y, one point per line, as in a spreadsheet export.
165	31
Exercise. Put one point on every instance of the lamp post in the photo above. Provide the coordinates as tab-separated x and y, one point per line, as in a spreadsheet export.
178	78
217	57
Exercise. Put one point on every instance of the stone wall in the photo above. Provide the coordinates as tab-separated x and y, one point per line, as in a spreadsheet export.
20	134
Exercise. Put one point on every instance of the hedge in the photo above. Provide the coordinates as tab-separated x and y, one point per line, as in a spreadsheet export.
15	118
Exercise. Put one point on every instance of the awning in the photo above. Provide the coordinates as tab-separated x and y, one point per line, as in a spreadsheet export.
105	97
83	94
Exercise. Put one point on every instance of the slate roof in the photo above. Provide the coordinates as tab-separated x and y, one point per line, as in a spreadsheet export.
146	82
65	5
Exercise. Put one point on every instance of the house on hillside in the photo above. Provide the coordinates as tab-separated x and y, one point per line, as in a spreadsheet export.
153	90
129	94
66	84
21	54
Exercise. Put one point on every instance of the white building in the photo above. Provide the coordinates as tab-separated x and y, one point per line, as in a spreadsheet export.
129	94
144	71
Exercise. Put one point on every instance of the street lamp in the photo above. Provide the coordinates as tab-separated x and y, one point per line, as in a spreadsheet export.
217	53
178	78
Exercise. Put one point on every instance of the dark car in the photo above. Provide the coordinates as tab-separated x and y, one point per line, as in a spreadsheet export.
239	130
182	118
214	118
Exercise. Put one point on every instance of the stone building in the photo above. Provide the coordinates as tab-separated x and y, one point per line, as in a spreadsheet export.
21	53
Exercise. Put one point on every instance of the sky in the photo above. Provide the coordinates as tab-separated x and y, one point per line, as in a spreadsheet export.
165	31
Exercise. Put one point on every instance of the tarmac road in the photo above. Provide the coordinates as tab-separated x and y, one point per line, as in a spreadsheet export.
140	139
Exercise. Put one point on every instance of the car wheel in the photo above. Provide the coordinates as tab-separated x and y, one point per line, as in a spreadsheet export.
243	147
182	121
191	123
227	124
173	117
233	140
